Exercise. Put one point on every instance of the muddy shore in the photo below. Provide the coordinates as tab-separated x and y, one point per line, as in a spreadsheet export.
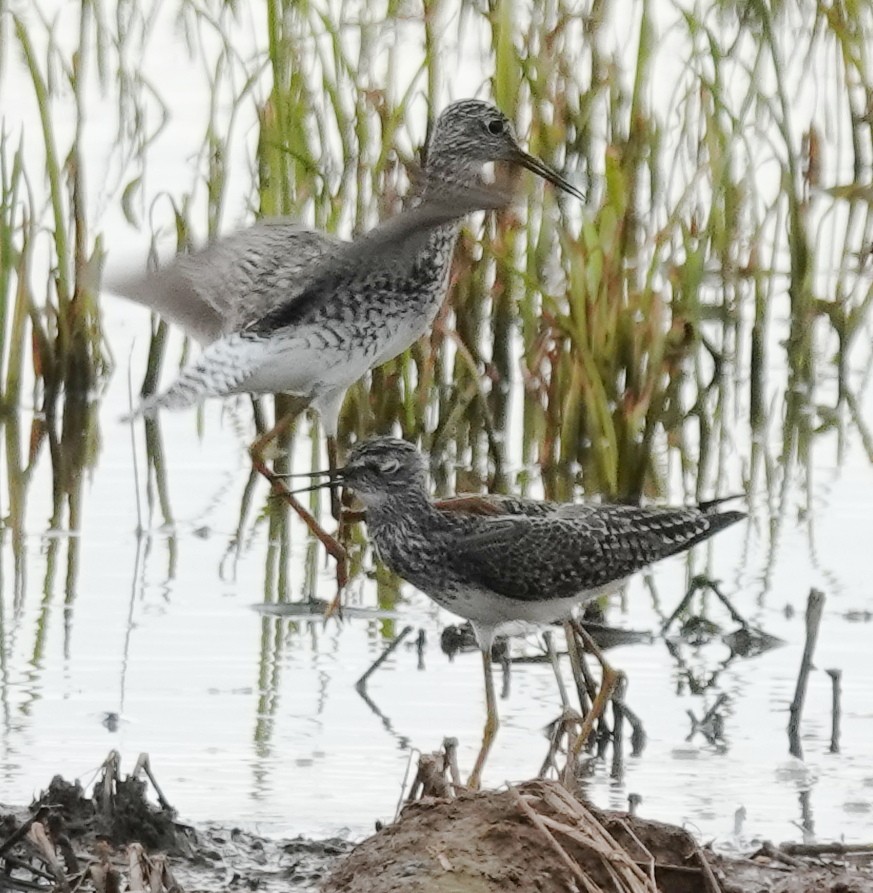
537	836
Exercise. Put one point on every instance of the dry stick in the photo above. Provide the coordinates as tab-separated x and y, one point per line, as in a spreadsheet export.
537	820
590	842
578	667
618	712
111	771
450	746
412	752
161	866
556	668
136	870
84	875
20	832
814	607
361	684
773	852
19	883
40	839
836	680
71	861
601	840
560	727
607	686
11	862
143	764
712	884
825	849
650	862
588	676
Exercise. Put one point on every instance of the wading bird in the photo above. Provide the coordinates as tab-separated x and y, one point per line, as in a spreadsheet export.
285	309
503	561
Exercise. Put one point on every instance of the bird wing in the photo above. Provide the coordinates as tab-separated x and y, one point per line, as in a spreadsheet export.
389	251
234	281
576	548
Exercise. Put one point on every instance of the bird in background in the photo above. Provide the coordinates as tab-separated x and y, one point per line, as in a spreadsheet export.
502	562
284	309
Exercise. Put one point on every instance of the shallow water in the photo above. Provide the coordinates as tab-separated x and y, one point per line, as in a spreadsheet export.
253	718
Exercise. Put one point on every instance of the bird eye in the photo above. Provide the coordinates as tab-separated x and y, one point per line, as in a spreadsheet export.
495	126
389	466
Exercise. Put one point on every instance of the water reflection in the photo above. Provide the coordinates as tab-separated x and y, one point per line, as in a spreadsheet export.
594	370
706	635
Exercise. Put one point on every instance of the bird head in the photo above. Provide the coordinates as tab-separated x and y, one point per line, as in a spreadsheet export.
471	133
378	470
384	467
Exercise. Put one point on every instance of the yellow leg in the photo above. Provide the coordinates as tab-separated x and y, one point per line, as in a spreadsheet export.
331	544
492	723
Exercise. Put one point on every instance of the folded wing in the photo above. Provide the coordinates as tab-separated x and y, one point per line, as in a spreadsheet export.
577	548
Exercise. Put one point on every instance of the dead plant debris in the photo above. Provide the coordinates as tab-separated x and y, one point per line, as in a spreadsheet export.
537	836
117	840
540	837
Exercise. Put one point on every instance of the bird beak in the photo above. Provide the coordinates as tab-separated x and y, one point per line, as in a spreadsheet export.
541	169
334	480
306	474
333	475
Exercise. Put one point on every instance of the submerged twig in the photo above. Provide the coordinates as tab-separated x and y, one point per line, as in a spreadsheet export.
814	607
361	684
556	668
836	711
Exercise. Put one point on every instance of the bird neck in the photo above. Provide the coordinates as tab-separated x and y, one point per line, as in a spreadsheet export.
404	533
410	509
445	168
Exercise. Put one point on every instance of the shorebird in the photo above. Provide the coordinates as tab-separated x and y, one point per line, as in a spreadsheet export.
282	310
392	248
502	561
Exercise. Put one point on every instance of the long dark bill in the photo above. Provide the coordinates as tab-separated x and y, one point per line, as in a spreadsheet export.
305	474
333	481
541	169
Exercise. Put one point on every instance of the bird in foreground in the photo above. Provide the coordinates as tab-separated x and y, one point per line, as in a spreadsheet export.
286	309
499	561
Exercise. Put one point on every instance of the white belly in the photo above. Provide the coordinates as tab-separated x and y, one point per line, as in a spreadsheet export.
300	368
491	613
407	332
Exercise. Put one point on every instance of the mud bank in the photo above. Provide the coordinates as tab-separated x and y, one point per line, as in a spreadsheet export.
536	836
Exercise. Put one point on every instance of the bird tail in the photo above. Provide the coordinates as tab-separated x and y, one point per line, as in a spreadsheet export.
715	522
220	370
710	504
691	526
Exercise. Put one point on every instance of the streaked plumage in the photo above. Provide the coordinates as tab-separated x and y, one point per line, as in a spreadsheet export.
326	334
499	560
313	322
235	281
